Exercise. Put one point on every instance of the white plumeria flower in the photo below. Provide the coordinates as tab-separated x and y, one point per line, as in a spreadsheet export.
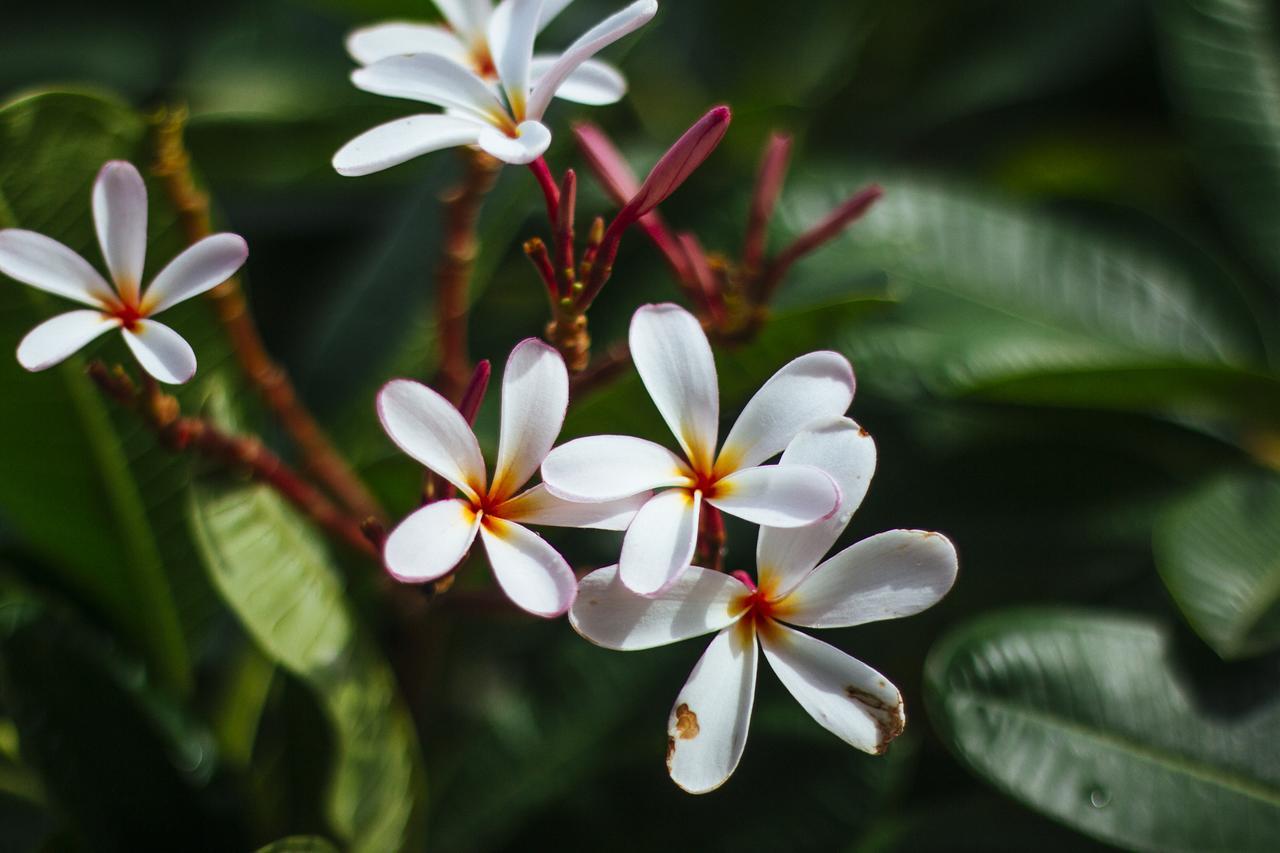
466	41
120	216
434	539
890	575
674	360
506	123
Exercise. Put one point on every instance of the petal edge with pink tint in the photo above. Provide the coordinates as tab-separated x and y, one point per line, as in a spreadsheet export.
58	338
531	573
611	467
778	495
161	351
427	427
660	542
430	541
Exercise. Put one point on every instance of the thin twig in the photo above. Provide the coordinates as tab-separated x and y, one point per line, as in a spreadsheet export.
321	459
162	414
453	279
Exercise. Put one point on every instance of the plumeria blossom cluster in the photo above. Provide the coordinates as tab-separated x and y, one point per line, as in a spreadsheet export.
120	217
480	68
484	75
653	596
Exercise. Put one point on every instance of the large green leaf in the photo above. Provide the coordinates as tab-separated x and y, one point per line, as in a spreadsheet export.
1219	554
120	763
1003	301
278	579
1091	719
1222	59
85	486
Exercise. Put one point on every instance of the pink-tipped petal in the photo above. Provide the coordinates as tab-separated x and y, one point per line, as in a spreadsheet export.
531	141
401	140
120	217
427	427
538	506
531	573
681	160
592	83
707	728
46	264
430	542
594	40
778	495
54	340
847	454
607	163
660	542
198	269
674	360
610	615
887	576
535	395
815	386
161	351
611	467
368	45
847	698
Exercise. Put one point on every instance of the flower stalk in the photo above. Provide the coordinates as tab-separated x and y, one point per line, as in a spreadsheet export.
321	458
162	414
453	278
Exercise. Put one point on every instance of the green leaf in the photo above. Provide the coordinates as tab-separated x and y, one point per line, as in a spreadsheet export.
1005	302
91	495
278	579
1218	552
1222	62
300	844
1090	719
123	764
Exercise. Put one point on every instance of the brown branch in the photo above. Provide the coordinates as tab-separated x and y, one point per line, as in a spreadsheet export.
162	414
453	278
321	459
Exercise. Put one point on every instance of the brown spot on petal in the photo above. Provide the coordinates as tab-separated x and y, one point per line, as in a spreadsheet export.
862	432
671	751
890	719
686	723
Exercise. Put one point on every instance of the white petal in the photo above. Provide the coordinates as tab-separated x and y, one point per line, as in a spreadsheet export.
592	83
54	340
889	575
512	29
467	17
660	541
778	495
161	351
594	40
368	45
699	602
199	268
815	386
434	80
707	729
847	454
45	263
674	360
848	698
401	140
535	395
120	217
532	573
539	506
431	541
530	142
427	427
609	467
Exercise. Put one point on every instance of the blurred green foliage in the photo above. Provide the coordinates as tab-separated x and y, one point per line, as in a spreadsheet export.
1065	320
